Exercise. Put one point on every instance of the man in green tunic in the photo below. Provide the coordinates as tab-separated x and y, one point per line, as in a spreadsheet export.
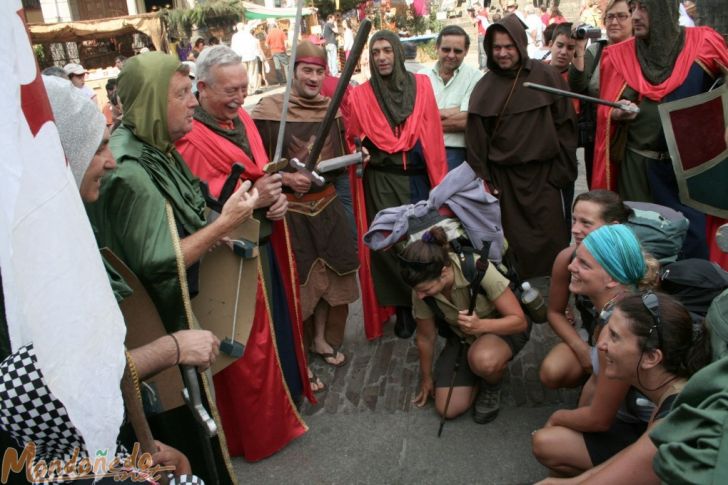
150	211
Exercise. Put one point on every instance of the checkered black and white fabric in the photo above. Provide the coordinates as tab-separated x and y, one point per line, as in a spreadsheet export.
30	412
186	480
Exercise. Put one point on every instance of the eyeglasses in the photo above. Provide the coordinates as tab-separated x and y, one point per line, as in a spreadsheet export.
652	305
620	17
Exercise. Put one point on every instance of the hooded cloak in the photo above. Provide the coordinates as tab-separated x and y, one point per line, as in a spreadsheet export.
523	143
146	206
130	215
657	53
406	161
395	93
143	87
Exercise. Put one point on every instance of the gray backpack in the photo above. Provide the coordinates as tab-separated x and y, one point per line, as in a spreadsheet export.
661	230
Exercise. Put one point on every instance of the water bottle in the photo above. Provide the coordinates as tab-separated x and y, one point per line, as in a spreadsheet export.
534	303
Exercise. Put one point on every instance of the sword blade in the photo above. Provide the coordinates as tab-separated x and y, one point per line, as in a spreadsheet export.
339	162
289	81
323	130
583	97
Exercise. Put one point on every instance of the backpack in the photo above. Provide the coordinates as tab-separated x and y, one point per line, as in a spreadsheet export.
661	230
695	283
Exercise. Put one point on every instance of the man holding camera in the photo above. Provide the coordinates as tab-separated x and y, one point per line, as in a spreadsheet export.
523	143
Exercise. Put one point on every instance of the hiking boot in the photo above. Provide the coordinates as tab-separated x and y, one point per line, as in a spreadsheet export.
487	404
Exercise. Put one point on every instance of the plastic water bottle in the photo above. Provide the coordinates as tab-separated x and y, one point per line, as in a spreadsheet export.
534	303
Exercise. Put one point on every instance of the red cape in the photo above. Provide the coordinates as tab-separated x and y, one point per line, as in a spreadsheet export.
258	414
620	68
366	120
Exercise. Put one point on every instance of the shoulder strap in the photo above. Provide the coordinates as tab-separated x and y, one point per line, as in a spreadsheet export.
666	406
499	118
432	304
598	54
474	271
443	328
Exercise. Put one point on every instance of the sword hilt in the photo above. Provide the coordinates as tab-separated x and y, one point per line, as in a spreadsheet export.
192	397
314	177
228	187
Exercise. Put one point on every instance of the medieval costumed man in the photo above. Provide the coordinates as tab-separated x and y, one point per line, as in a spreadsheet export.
523	144
323	243
150	212
257	395
662	62
395	115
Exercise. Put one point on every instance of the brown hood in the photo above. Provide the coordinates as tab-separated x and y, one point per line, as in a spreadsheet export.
515	27
300	110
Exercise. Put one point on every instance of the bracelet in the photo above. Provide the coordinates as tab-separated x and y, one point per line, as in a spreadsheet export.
176	344
133	373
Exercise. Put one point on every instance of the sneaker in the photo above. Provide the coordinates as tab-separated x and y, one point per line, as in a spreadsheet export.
487	404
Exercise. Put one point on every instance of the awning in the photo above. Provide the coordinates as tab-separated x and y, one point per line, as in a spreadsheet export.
254	11
149	24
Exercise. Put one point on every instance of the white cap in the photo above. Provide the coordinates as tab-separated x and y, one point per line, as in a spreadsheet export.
526	286
74	69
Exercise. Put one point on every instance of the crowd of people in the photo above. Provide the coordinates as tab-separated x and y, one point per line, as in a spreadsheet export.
139	171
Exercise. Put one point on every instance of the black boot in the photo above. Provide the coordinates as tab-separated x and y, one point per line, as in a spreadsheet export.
405	325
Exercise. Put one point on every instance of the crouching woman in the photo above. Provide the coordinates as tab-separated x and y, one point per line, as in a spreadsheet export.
479	345
651	343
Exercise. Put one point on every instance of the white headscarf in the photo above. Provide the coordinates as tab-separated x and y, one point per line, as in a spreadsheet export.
80	124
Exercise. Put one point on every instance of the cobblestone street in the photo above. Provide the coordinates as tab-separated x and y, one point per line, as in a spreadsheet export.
365	429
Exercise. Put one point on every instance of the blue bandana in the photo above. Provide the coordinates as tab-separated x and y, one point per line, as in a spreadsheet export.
618	251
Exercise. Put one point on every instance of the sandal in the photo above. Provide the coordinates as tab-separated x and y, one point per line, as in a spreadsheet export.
315	383
325	356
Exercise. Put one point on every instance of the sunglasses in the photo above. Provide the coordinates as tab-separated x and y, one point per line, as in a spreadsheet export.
652	305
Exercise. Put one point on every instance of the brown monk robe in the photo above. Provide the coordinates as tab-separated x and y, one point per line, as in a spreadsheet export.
523	143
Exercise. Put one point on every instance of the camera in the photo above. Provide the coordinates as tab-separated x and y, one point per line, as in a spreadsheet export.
586	31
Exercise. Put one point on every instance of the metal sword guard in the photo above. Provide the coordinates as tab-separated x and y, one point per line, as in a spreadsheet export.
192	396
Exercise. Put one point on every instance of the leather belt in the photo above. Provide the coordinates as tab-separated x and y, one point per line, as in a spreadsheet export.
651	154
312	203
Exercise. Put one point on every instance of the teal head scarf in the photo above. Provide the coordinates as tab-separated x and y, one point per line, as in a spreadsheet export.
618	251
